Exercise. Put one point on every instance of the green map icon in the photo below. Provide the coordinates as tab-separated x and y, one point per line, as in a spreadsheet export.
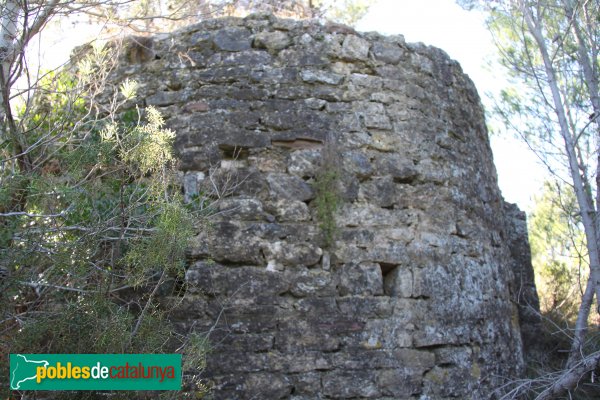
23	369
95	372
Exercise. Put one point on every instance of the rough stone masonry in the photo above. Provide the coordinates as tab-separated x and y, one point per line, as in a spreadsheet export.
422	291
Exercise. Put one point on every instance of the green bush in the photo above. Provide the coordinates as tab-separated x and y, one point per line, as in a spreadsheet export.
99	233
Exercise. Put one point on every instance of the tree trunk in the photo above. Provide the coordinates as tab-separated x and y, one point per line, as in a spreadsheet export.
584	199
587	58
9	15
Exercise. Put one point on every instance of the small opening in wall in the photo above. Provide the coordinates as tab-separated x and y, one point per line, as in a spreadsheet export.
229	152
386	268
408	179
299	144
389	278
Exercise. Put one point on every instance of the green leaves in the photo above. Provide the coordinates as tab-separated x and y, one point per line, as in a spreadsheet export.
345	11
149	147
102	215
520	54
164	248
129	88
558	251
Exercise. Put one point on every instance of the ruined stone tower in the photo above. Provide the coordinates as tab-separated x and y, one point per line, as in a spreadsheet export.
411	293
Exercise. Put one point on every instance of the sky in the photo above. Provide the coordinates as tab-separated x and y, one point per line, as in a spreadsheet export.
441	23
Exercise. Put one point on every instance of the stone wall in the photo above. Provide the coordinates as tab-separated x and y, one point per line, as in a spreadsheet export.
416	295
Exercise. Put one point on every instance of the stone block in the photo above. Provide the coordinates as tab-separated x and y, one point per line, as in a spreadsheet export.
304	362
297	336
365	307
357	163
364	278
355	48
312	283
401	382
232	342
232	39
217	280
374	115
380	191
289	187
307	384
267	386
289	210
245	57
272	41
447	382
304	163
389	53
371	82
237	361
247	209
351	384
292	254
311	76
228	244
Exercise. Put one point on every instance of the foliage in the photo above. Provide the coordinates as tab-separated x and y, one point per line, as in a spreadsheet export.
558	252
161	16
148	146
348	12
102	229
164	248
561	266
525	107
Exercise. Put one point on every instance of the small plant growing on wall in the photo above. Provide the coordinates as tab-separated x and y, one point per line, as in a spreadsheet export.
327	190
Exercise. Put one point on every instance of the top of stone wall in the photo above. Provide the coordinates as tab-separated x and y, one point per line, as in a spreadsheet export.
298	43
